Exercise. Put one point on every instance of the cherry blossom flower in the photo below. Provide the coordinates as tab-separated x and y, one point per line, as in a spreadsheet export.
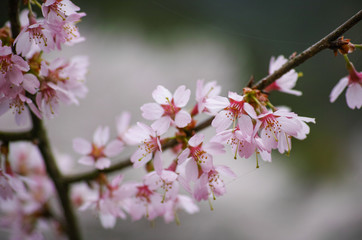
172	206
58	8
26	159
278	127
353	82
150	145
37	33
65	31
61	83
195	155
168	108
210	90
14	97
109	205
210	183
244	139
98	152
166	181
146	202
11	66
286	82
231	110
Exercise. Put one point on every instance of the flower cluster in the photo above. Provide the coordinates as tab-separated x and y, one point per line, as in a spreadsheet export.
248	123
26	193
26	78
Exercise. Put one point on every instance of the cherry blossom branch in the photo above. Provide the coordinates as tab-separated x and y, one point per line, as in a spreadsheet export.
16	136
326	42
39	133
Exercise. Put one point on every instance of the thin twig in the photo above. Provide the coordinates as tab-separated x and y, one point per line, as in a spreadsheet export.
322	44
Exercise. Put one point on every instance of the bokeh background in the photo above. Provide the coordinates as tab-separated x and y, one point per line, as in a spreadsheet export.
133	46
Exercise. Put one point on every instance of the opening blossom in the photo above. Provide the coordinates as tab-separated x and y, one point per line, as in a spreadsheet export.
98	152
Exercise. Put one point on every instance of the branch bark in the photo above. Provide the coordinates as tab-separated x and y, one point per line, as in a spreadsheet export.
322	44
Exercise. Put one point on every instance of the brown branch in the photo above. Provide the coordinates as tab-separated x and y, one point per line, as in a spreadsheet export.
16	136
38	132
322	44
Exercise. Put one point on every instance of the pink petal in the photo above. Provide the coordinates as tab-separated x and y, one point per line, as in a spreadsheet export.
20	63
181	96
338	89
30	83
222	121
161	125
246	126
216	103
291	91
157	162
354	95
182	119
162	95
122	122
107	220
183	156
113	148
207	163
168	176
235	96
86	160
101	136
187	204
15	76
250	110
226	171
191	170
140	158
152	111
215	148
196	140
102	163
82	146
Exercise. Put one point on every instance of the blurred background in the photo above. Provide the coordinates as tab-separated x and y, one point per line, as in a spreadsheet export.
133	46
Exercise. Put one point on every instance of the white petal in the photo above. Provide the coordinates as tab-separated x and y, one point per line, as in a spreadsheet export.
86	160
157	162
152	111
182	119
338	89
82	146
354	96
162	95
181	96
191	170
196	140
102	163
101	136
161	125
113	148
